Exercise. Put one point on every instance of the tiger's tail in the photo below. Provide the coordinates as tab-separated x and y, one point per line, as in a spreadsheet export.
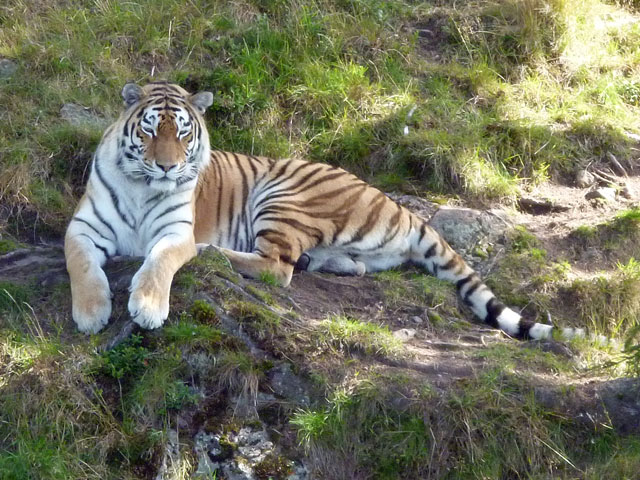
432	252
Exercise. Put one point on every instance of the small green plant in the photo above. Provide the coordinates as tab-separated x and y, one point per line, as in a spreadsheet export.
522	240
273	467
178	396
8	245
585	232
202	312
627	222
128	359
187	332
268	278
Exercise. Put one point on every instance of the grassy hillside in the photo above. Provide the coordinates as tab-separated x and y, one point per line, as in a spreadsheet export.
480	99
496	94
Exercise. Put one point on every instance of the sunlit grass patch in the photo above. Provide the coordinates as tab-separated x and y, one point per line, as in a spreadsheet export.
260	320
190	333
514	358
335	82
525	276
352	335
609	304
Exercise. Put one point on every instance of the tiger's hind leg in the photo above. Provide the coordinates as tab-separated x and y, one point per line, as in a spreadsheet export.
254	264
275	252
330	261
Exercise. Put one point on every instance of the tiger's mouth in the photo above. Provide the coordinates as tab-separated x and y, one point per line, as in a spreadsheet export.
163	183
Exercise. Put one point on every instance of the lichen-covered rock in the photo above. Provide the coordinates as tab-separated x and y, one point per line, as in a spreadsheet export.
246	454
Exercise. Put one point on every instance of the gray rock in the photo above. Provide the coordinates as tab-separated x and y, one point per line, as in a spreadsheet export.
604	193
300	472
204	444
79	115
465	228
172	460
417	320
626	191
7	68
632	136
417	205
250	447
584	179
287	384
405	334
238	470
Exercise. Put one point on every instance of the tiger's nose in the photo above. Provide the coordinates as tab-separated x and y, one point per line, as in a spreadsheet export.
166	168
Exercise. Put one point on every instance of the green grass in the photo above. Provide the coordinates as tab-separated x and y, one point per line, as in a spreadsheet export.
520	91
352	335
8	245
261	321
268	278
185	332
360	425
15	297
617	238
525	276
512	357
408	288
609	303
494	428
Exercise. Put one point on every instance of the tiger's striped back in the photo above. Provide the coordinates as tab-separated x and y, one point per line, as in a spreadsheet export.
269	215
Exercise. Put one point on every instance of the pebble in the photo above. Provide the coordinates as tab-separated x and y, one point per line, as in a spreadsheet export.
405	334
584	179
7	67
626	191
604	193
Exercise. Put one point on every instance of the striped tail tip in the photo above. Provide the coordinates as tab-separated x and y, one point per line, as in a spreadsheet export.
514	325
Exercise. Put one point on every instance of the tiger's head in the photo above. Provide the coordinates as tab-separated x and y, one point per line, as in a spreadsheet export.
164	139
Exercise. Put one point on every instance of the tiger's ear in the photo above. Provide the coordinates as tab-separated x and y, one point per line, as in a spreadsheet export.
202	100
131	93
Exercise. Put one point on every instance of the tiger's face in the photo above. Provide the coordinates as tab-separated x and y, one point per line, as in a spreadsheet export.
164	134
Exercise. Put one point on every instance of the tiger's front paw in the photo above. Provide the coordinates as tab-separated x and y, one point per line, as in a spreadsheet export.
149	301
91	304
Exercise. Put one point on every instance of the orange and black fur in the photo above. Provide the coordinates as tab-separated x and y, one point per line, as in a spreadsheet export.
161	192
271	215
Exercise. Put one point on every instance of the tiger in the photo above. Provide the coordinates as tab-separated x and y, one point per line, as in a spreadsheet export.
156	189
